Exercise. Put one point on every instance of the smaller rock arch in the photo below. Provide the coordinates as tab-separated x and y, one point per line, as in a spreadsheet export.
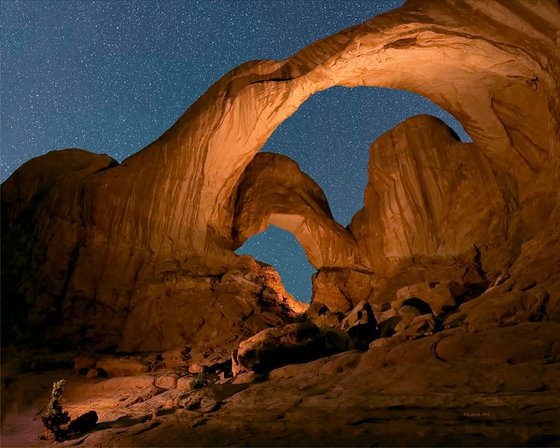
275	191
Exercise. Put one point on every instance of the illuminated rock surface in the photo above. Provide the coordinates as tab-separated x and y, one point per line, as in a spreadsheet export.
138	256
274	191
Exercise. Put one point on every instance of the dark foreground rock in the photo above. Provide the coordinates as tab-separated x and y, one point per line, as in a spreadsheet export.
360	325
275	347
84	423
452	388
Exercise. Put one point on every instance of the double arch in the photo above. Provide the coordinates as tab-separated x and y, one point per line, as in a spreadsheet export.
474	70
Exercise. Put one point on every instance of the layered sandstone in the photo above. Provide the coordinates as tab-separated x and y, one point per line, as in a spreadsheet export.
430	195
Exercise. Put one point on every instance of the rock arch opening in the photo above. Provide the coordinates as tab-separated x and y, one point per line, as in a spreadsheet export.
330	133
281	250
178	203
320	152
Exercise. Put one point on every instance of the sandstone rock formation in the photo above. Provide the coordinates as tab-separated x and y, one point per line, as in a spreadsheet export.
276	347
454	388
273	190
104	254
423	185
360	324
454	260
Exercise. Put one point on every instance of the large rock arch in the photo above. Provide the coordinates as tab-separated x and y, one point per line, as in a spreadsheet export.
90	239
476	71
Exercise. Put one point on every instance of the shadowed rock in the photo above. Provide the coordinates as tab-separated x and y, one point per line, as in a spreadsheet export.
275	347
92	250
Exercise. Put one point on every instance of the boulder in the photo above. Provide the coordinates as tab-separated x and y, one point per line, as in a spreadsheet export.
419	326
84	423
276	347
406	314
386	327
341	288
329	319
166	381
378	309
501	306
125	366
184	382
82	364
315	310
91	374
387	314
327	288
436	295
360	324
440	297
321	316
197	368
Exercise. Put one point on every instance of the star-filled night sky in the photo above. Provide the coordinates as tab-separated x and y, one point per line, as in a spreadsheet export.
112	76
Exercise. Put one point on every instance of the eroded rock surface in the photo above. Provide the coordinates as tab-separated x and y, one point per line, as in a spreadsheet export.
275	191
452	388
275	347
430	195
84	236
138	256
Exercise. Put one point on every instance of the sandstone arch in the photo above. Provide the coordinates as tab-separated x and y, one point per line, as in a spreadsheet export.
477	72
170	208
275	191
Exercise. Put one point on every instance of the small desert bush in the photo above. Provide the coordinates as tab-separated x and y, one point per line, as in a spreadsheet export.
55	419
199	381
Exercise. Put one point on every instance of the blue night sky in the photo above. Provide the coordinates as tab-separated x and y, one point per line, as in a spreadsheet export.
111	77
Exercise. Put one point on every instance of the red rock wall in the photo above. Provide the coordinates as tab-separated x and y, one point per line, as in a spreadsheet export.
81	236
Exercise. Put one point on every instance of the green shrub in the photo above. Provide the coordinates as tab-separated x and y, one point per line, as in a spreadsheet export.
55	419
201	380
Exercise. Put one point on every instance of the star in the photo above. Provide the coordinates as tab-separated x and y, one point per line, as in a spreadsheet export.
111	77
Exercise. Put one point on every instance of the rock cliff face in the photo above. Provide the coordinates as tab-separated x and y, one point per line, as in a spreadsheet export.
92	248
430	195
